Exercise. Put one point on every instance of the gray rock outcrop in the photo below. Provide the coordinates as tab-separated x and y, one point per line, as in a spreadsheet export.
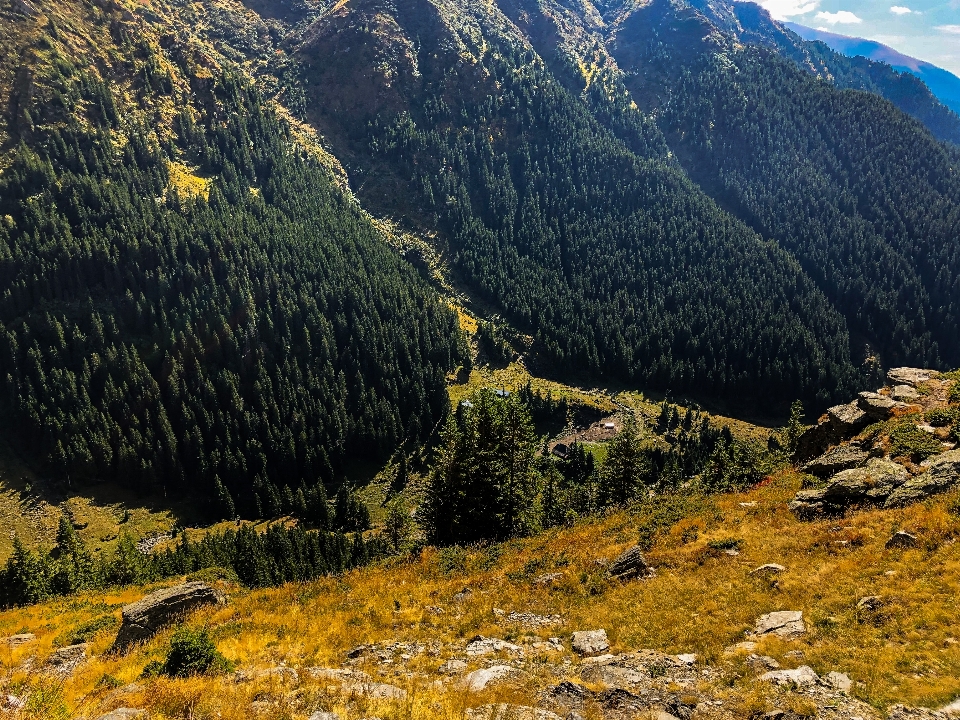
942	473
848	419
833	461
142	619
481	679
65	660
901	539
503	711
877	406
871	484
910	376
800	677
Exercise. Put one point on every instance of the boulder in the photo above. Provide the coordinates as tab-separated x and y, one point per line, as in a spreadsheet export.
802	676
833	461
870	603
877	406
815	440
952	709
123	713
12	702
910	376
838	681
453	667
142	619
942	473
847	419
904	393
630	564
480	679
324	715
65	660
871	484
503	711
17	640
784	623
590	642
480	645
901	539
768	569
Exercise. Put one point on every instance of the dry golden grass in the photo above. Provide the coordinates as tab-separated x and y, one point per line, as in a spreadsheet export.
700	601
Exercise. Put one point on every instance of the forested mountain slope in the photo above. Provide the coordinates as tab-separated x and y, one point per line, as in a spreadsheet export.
189	302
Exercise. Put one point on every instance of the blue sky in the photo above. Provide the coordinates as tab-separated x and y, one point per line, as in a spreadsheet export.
926	29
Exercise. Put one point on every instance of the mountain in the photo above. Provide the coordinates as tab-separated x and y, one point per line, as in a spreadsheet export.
944	84
191	301
682	198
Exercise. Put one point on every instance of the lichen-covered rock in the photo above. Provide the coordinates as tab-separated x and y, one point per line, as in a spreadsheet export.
871	484
800	677
146	616
877	406
833	461
65	660
942	473
848	419
910	376
901	539
481	679
904	393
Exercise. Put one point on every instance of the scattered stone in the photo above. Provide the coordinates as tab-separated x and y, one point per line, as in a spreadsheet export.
377	691
904	393
480	679
463	595
746	646
842	457
532	620
631	564
453	667
847	419
877	406
942	473
548	579
590	642
870	603
12	702
17	640
839	681
65	660
434	610
768	569
481	645
764	662
901	539
803	676
281	673
324	715
358	651
146	616
794	655
503	711
784	623
338	674
123	713
904	712
688	658
910	376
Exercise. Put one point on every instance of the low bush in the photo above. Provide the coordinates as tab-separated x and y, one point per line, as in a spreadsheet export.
192	652
907	440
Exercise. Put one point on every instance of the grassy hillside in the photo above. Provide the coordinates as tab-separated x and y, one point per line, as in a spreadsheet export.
701	601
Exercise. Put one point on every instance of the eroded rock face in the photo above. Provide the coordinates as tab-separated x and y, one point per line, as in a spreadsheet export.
879	407
145	617
833	461
910	376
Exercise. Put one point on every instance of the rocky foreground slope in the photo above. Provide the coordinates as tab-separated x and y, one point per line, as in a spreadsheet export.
887	448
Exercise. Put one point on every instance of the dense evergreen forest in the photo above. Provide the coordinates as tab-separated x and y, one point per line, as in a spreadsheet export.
590	240
241	346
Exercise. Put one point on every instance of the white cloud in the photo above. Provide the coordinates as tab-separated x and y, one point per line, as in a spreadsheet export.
842	17
950	29
786	9
900	10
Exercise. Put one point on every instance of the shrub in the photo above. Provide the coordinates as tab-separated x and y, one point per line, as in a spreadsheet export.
192	652
941	417
85	631
907	440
